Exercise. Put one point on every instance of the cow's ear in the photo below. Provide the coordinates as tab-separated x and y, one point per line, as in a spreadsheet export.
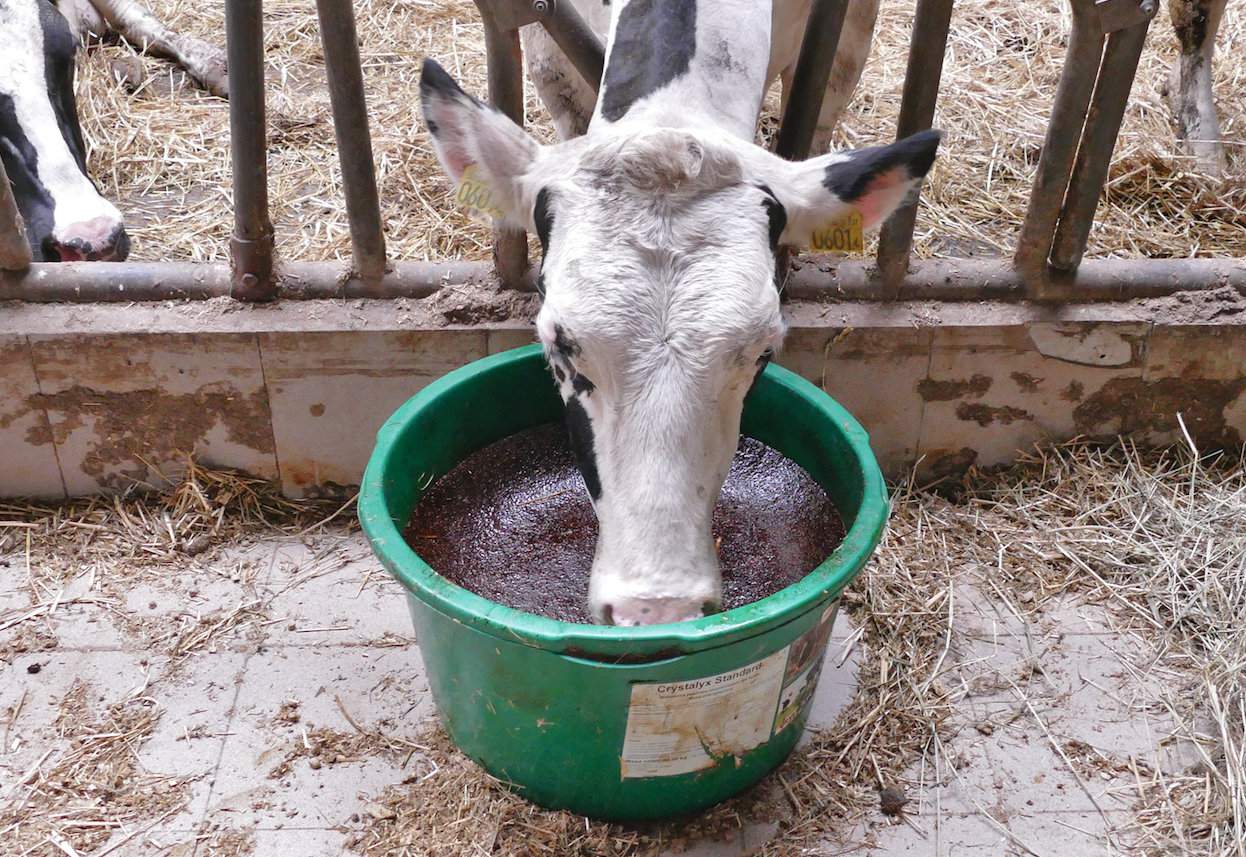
480	148
870	182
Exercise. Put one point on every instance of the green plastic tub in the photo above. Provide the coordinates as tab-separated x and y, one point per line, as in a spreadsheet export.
618	723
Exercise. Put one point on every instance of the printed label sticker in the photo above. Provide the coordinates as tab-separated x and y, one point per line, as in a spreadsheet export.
678	727
683	726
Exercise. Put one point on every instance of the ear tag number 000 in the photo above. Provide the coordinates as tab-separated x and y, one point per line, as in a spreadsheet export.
476	196
844	235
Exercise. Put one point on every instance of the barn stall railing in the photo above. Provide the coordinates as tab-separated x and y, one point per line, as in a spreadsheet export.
1089	104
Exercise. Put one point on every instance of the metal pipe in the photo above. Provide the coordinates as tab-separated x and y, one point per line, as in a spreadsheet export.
1068	116
576	39
89	282
1094	156
505	61
957	280
354	143
251	247
928	280
813	70
14	248
917	106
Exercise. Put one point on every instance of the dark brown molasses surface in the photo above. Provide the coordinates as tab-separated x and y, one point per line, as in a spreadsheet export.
512	522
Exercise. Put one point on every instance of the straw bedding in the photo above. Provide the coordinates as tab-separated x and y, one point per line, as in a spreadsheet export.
1153	537
164	157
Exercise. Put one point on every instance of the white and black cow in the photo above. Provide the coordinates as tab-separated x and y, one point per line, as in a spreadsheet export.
41	142
659	227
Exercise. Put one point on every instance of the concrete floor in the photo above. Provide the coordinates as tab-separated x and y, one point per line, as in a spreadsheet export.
334	636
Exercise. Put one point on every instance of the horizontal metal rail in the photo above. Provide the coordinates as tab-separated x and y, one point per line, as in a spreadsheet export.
930	279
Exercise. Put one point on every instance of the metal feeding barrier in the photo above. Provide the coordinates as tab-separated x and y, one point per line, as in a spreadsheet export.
1099	68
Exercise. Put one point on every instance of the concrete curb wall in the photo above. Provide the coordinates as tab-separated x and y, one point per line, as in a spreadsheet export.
93	397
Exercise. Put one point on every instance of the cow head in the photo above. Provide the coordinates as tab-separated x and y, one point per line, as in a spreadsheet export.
660	310
41	142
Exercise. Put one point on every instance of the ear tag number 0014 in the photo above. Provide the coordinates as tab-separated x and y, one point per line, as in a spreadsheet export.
476	196
844	235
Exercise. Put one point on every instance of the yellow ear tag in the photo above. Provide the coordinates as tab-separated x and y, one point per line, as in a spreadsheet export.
844	235
476	196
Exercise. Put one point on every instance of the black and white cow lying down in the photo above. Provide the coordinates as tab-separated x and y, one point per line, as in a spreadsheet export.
41	141
660	226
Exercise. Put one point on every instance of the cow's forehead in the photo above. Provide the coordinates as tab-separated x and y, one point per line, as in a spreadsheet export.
618	285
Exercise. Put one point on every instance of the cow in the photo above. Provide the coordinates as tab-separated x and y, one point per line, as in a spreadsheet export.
660	226
41	143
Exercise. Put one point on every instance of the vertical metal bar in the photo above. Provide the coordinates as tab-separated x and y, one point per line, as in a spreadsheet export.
813	70
251	247
577	40
14	248
510	246
354	142
1068	116
917	107
1094	156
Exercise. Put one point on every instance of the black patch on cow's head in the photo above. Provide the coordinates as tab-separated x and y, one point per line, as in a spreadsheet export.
775	213
59	47
22	164
654	41
544	218
580	430
850	179
558	373
582	385
435	79
565	345
762	362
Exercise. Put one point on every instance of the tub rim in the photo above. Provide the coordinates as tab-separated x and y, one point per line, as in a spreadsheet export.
598	642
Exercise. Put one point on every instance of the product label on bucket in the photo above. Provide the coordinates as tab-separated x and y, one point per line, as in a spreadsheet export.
683	726
679	727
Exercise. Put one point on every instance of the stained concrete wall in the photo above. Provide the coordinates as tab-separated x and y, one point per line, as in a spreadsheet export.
93	398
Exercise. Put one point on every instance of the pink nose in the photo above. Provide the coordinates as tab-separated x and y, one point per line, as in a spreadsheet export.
100	239
629	612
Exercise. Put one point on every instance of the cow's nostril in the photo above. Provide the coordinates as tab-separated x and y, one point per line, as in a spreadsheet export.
710	607
607	615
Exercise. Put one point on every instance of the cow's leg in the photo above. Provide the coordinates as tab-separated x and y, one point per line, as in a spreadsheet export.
1189	87
850	57
569	100
204	62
